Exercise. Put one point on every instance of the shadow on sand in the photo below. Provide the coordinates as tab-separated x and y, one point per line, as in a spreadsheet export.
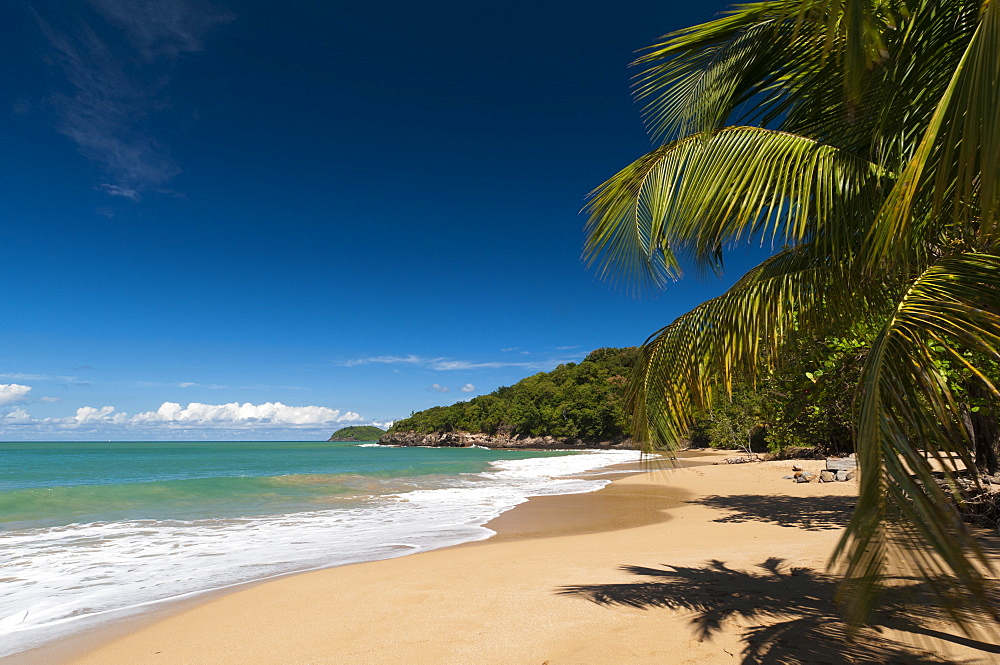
793	609
817	513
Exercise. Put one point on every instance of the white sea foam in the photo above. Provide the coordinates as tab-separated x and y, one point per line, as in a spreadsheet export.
62	579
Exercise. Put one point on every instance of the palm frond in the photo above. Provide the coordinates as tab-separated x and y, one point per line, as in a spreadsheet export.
766	53
699	193
909	428
957	161
693	80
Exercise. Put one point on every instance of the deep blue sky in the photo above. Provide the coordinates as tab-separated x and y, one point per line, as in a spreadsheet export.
342	207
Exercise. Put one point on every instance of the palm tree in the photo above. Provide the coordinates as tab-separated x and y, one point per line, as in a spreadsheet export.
863	138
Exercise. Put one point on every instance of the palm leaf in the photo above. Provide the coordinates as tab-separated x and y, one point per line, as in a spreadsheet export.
957	159
766	53
699	193
909	427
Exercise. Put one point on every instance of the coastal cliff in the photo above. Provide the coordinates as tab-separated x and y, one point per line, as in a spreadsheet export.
467	439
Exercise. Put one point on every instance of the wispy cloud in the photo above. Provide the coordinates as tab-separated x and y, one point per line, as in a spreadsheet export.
117	61
388	360
451	364
163	28
441	389
210	386
27	376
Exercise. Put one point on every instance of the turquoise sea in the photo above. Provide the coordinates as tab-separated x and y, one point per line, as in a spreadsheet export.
90	532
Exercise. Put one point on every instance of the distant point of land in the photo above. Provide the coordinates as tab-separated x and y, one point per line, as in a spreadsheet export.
357	433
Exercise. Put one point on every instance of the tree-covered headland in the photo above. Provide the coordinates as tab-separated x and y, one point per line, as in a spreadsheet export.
357	433
583	401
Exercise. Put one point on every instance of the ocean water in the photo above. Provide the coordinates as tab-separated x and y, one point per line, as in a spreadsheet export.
90	532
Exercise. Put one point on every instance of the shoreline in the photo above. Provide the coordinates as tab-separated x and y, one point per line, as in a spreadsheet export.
65	648
693	565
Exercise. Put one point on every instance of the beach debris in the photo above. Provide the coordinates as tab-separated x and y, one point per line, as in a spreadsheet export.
749	457
837	463
838	469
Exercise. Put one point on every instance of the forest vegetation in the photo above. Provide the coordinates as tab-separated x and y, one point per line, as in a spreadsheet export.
584	401
357	433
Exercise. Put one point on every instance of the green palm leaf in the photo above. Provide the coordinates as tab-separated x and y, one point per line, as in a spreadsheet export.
910	427
704	191
958	158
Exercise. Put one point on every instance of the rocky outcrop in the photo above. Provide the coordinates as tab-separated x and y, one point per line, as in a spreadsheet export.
467	439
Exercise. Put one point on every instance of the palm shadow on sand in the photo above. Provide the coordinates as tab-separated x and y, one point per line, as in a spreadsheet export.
817	513
793	609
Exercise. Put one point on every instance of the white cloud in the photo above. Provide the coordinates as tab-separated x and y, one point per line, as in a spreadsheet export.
17	416
234	413
105	414
49	399
467	388
235	421
441	389
12	392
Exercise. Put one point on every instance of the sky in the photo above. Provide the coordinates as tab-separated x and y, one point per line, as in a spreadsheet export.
265	221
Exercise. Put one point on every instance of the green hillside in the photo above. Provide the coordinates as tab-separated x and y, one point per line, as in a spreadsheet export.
357	433
577	400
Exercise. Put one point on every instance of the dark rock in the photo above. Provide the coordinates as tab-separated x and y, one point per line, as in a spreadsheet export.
467	439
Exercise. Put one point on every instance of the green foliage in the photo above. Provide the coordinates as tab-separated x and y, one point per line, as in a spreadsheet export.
574	401
806	402
357	433
733	423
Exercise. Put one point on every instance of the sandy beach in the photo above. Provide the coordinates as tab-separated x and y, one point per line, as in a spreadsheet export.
714	563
